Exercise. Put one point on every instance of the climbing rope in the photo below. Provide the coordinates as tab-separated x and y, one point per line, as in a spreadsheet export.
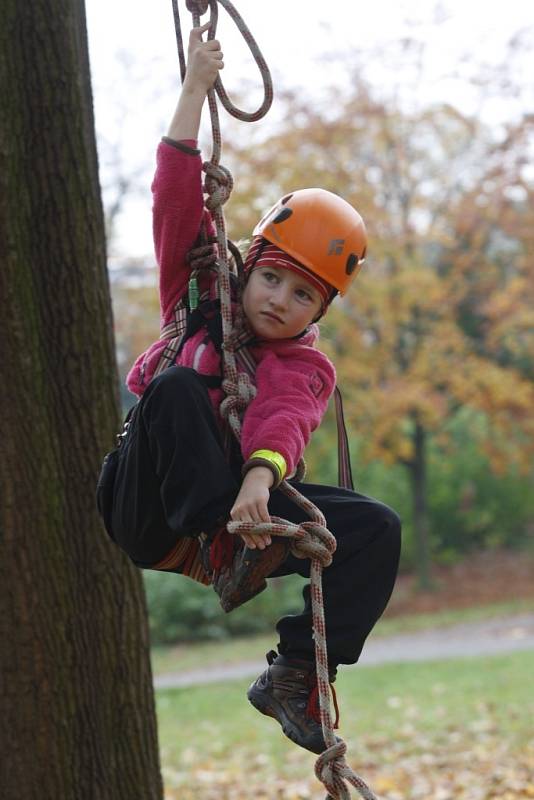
311	539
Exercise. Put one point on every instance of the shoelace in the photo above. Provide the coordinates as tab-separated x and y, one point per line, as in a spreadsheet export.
313	709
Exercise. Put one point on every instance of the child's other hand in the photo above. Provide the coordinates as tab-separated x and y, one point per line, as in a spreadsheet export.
251	505
204	60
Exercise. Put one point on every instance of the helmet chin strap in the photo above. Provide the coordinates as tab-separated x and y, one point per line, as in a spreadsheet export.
326	306
318	316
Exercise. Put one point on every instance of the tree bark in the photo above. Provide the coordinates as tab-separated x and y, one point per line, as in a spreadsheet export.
78	718
418	476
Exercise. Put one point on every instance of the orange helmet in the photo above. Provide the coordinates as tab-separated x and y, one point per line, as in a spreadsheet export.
321	230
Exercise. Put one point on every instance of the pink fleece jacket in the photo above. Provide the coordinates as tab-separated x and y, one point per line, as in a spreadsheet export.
294	380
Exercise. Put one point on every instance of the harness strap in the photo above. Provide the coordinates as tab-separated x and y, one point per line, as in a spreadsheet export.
174	331
344	469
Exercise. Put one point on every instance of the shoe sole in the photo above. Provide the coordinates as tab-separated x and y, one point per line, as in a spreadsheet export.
253	579
242	593
270	708
240	596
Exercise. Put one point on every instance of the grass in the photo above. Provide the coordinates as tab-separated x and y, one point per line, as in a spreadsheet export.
186	657
439	722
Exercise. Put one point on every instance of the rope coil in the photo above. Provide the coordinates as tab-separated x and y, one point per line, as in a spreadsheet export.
311	539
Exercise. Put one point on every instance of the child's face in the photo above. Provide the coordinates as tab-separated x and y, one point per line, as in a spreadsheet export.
279	303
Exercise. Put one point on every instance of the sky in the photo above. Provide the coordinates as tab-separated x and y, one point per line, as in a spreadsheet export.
135	72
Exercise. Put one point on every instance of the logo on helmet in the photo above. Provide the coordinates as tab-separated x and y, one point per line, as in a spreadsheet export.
335	248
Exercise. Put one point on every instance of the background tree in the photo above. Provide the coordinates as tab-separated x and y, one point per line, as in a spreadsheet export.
78	715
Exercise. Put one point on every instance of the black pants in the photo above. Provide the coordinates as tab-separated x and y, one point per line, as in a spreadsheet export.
174	479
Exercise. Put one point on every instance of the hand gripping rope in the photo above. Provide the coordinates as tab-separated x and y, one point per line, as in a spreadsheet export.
310	539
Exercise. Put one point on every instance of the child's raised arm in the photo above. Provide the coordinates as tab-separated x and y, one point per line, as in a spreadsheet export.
204	60
177	187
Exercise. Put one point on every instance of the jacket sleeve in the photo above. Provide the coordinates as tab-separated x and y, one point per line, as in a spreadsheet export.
177	211
291	400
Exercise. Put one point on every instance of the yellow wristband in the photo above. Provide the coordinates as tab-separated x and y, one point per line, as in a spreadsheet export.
274	458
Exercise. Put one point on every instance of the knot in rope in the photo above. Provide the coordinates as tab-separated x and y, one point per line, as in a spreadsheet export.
218	184
310	539
314	541
197	6
239	393
332	770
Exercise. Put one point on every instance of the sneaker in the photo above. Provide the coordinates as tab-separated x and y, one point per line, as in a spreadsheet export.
288	692
238	573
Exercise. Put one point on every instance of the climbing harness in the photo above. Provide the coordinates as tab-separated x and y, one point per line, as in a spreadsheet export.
311	539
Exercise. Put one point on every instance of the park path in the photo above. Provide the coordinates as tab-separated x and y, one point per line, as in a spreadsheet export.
489	637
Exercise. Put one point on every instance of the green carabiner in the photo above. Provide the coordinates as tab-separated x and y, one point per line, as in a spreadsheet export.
193	294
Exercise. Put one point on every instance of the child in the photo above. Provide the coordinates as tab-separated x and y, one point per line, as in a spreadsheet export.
176	487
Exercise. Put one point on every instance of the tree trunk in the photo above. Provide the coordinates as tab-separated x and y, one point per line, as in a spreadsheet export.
78	718
418	476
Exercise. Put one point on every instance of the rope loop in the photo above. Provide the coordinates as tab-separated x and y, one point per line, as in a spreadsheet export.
332	770
327	768
239	391
197	6
233	404
310	540
197	9
244	116
242	393
218	184
315	541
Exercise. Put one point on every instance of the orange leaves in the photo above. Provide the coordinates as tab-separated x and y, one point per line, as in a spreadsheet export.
510	315
420	343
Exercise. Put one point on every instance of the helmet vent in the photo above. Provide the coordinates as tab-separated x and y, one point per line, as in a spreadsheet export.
284	214
286	199
351	264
